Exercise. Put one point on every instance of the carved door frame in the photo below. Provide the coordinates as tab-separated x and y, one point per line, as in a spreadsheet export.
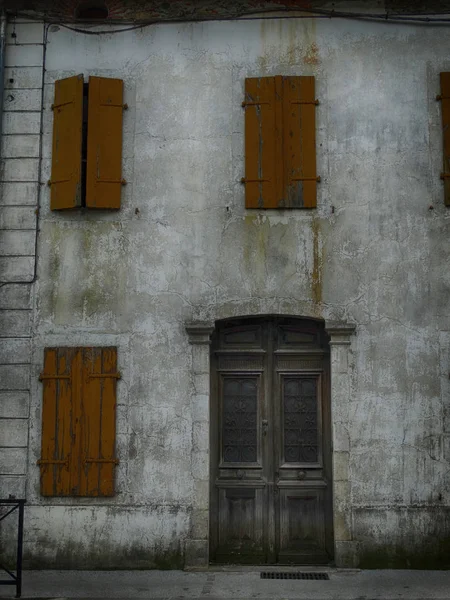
197	541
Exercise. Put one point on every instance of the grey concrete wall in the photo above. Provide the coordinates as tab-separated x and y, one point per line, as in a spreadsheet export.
183	248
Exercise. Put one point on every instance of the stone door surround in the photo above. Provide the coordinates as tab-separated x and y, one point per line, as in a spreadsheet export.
197	545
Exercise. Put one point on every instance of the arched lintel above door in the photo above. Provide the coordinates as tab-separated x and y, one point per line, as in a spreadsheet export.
340	332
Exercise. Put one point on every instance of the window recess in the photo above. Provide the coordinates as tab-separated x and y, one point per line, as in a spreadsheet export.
280	142
87	143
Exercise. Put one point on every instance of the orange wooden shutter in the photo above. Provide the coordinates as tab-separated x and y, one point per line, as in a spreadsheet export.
58	469
280	142
98	421
65	179
104	146
78	422
299	142
445	99
263	168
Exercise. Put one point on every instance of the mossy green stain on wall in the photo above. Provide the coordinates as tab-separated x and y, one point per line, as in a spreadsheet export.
397	557
55	264
284	256
75	556
87	270
256	238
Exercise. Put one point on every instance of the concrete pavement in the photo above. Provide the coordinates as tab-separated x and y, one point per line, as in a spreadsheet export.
234	583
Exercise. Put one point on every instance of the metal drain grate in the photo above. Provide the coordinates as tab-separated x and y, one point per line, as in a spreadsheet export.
293	575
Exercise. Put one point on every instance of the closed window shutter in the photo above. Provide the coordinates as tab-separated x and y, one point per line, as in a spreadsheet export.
65	182
299	142
98	421
445	101
78	422
58	477
104	147
280	142
262	143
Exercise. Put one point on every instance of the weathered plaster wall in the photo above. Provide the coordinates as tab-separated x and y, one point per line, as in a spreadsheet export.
183	248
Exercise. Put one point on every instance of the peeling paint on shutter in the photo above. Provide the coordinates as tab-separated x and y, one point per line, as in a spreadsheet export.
262	143
104	148
280	142
445	102
99	421
67	109
299	142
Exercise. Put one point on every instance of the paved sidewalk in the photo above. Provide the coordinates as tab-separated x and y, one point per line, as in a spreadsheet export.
234	583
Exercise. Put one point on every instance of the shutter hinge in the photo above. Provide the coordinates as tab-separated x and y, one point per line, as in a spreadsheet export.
244	104
50	182
114	461
124	106
445	176
121	181
105	375
53	106
306	179
44	462
43	377
244	180
441	97
315	102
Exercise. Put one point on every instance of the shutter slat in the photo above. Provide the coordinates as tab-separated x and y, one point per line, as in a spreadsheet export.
48	440
64	421
299	137
98	421
91	407
65	182
261	178
445	101
108	422
279	200
57	439
104	147
76	381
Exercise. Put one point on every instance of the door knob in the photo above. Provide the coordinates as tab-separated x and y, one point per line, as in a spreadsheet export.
265	426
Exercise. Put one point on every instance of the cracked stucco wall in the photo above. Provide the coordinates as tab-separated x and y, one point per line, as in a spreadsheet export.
183	248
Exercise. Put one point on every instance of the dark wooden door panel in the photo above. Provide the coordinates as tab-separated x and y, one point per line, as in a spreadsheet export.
302	527
241	529
239	335
270	443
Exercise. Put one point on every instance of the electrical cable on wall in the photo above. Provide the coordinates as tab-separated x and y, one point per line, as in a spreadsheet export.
394	18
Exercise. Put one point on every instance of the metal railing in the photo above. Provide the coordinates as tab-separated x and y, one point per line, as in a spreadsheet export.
14	579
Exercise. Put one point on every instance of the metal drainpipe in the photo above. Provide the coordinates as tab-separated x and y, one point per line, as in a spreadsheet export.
2	63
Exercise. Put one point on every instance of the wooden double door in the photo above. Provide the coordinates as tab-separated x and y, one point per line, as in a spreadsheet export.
271	493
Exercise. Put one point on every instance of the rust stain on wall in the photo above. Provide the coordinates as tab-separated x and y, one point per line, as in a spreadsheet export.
316	279
311	56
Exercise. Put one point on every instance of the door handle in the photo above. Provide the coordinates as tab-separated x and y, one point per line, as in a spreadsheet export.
265	426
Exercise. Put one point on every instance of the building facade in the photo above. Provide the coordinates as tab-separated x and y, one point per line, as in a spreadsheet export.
240	352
